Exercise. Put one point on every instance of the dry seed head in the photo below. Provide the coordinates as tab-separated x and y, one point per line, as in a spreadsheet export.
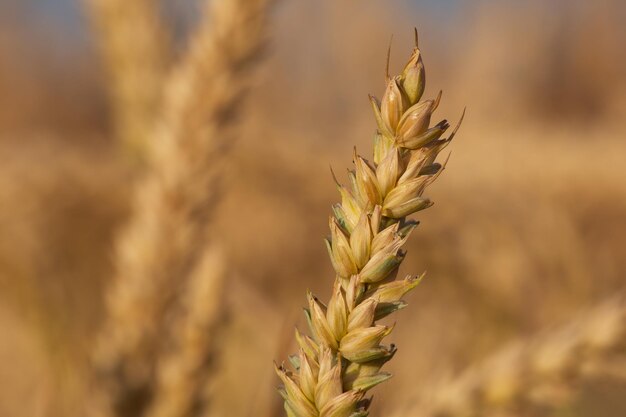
367	232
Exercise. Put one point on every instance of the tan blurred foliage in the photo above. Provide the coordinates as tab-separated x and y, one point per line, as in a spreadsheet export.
529	224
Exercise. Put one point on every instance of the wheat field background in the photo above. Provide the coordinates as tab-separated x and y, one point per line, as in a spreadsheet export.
528	234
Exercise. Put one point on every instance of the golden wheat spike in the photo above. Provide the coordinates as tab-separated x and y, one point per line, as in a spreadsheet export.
343	358
136	50
167	234
529	371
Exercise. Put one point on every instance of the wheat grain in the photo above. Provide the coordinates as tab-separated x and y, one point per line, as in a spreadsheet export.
538	371
161	245
343	358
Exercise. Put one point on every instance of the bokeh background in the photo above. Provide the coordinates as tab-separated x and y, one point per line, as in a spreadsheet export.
529	224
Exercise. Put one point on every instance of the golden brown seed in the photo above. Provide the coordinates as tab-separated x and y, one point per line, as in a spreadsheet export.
363	315
414	77
329	385
422	139
337	314
298	401
307	376
384	238
307	345
367	184
388	172
375	219
405	192
383	129
393	105
341	251
415	121
360	241
362	339
380	266
320	326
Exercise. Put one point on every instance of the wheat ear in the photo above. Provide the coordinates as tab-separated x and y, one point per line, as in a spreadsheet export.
166	236
343	358
538	371
136	50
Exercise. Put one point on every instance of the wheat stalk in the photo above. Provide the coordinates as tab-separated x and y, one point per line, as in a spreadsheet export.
167	234
343	358
182	371
538	371
136	50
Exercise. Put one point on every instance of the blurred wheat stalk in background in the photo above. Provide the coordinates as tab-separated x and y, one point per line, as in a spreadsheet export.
545	370
153	354
136	47
343	360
